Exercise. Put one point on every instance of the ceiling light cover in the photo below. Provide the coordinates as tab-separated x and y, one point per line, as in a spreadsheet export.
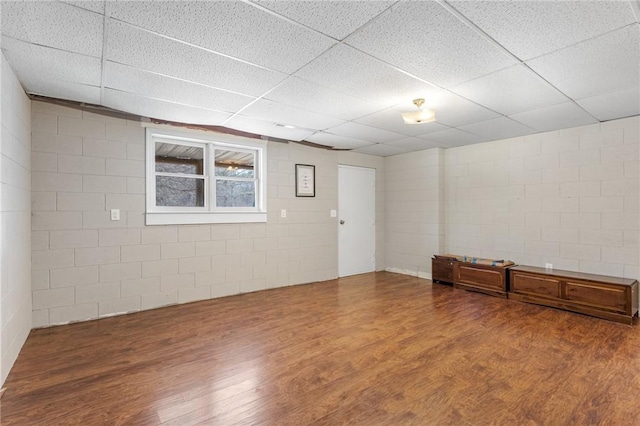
420	116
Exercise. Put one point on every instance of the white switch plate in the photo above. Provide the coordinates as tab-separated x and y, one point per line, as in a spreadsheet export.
548	266
283	213
115	214
333	213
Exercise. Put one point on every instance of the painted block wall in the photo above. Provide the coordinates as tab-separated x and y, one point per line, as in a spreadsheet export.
414	211
568	197
86	266
15	219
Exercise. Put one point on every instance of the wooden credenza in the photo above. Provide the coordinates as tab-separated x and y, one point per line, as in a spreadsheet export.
601	296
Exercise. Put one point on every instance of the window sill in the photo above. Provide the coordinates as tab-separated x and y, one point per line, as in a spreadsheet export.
190	218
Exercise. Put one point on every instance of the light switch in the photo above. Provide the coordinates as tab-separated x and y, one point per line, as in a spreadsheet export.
115	214
283	213
333	213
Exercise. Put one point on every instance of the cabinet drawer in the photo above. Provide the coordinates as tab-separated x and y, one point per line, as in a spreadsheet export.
488	278
610	297
527	284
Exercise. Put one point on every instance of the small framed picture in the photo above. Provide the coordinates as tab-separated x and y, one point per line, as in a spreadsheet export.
305	180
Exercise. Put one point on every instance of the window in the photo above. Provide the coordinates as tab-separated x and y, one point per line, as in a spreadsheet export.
196	178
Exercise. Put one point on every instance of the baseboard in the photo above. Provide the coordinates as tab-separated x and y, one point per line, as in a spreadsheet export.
413	273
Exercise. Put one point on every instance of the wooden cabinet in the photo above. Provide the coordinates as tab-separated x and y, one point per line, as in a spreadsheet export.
487	279
442	269
598	295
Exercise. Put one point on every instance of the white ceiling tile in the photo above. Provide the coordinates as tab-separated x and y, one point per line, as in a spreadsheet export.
427	136
454	137
381	150
267	128
39	63
511	90
233	28
426	40
283	114
560	116
347	70
413	144
215	65
134	104
335	141
64	90
303	94
623	103
336	19
154	53
497	128
605	64
146	84
453	110
54	24
365	133
92	5
391	119
533	28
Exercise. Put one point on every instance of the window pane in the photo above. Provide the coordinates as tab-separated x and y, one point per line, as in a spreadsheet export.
233	193
171	158
234	164
179	191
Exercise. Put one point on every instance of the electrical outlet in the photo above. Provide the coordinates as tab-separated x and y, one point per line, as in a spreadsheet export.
115	214
548	266
283	213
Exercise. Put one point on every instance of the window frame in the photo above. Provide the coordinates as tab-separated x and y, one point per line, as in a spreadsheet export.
209	212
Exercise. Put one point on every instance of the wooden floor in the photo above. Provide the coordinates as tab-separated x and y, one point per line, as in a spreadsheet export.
374	349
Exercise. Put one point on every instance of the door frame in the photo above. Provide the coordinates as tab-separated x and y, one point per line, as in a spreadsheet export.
373	171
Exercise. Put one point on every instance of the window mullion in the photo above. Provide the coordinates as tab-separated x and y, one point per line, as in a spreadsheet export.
236	179
211	155
182	175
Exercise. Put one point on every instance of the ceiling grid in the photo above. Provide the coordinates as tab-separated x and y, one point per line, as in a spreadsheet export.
337	73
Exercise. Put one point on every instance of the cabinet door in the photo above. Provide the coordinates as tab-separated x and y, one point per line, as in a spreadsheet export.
535	285
442	270
602	296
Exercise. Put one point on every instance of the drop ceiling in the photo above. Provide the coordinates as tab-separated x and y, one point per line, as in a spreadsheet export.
337	73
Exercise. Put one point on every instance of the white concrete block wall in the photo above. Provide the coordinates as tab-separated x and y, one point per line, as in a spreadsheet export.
15	220
567	197
87	266
414	196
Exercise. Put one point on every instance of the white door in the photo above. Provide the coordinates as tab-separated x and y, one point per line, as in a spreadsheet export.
356	220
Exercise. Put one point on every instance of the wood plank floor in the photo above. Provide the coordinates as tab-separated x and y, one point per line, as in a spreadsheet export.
374	349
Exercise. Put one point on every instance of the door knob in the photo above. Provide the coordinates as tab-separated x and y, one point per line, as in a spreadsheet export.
342	222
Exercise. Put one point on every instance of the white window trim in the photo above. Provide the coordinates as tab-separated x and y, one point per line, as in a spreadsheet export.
162	215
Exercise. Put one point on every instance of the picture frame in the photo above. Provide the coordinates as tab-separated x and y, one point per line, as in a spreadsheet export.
305	180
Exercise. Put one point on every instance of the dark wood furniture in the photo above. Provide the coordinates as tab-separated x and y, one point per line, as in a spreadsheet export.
492	280
442	269
601	296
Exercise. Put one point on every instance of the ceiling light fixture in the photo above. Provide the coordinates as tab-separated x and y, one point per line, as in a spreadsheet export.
287	126
419	116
